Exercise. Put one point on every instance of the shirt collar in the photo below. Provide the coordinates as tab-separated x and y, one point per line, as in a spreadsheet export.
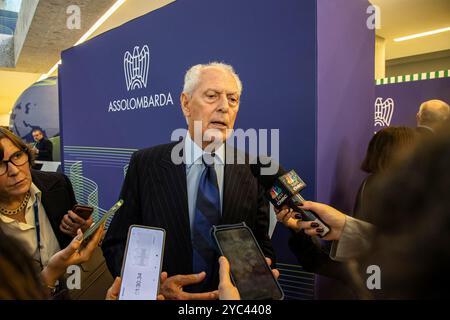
193	153
426	127
34	192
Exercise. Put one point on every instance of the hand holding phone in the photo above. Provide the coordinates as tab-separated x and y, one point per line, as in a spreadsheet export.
84	212
141	267
89	232
227	290
249	270
77	218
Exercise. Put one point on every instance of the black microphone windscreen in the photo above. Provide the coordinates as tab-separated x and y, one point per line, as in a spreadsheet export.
266	180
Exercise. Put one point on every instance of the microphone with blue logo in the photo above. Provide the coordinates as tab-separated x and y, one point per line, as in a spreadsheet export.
283	188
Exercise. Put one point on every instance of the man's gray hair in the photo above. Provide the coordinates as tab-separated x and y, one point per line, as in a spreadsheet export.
433	111
192	77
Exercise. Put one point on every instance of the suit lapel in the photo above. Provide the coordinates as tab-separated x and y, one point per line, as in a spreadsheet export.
235	189
172	179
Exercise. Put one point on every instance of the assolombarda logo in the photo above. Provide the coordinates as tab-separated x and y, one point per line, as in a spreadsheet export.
383	112
135	67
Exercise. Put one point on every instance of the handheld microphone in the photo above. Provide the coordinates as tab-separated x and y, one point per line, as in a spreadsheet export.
283	188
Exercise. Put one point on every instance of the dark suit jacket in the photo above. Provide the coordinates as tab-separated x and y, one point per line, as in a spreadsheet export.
335	279
57	198
45	148
155	194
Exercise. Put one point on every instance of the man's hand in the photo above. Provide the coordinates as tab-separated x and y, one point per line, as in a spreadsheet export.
172	287
114	290
71	222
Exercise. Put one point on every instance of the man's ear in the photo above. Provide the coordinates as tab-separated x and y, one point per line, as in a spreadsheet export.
184	101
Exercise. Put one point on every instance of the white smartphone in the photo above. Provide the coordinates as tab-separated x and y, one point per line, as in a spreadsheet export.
142	262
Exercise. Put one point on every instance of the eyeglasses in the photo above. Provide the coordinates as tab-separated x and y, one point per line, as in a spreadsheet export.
18	159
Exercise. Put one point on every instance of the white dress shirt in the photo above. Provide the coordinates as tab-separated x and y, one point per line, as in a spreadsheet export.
194	168
25	233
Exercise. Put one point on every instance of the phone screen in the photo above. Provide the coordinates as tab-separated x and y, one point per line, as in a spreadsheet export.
142	263
250	272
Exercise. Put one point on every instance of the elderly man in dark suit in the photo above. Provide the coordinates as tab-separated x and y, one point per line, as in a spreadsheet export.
187	197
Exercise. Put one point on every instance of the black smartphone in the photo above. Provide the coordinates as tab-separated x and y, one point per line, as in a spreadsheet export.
249	270
142	262
83	211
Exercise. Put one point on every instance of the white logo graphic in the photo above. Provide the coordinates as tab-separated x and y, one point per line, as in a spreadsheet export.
383	111
135	67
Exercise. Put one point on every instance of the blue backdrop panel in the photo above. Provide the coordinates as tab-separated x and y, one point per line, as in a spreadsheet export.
408	96
271	44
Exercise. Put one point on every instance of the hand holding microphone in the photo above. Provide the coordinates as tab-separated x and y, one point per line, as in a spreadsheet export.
283	190
287	216
332	217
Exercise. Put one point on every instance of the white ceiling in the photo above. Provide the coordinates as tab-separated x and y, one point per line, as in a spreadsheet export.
405	17
398	18
50	36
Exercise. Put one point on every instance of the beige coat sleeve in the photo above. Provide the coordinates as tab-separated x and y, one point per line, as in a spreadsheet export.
355	240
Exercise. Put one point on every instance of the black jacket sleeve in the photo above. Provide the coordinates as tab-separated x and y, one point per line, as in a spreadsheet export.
316	260
45	150
57	198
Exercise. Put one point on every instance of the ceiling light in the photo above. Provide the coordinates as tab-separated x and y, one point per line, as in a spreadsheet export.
100	21
88	33
423	34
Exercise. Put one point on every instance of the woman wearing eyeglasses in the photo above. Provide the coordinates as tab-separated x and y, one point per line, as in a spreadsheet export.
35	205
